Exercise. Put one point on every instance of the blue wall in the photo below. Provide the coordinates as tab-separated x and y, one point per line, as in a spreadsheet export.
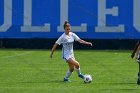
92	19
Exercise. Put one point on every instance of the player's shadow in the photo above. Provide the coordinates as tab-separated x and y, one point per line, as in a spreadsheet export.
45	81
119	83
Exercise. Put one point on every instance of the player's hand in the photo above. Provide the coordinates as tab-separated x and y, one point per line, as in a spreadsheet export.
136	57
132	55
89	43
50	55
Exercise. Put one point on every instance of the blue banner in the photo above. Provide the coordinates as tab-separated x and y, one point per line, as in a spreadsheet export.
92	19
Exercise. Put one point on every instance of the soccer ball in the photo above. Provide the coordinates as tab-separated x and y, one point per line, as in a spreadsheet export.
87	79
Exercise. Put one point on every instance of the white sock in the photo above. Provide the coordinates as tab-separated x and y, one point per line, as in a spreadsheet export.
68	74
78	71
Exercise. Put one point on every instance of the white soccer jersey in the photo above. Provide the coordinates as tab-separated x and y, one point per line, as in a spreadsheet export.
67	42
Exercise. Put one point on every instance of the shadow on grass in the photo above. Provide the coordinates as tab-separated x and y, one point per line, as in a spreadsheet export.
116	83
124	90
45	81
55	82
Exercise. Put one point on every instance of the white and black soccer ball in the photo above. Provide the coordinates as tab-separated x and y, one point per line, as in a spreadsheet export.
87	79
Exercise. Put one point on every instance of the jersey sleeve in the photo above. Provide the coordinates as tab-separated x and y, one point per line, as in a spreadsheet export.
59	40
76	38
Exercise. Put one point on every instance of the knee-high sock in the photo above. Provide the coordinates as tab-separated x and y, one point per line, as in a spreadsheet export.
68	74
78	71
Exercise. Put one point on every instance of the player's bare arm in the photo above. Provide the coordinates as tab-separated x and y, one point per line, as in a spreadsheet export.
138	49
53	49
84	42
135	49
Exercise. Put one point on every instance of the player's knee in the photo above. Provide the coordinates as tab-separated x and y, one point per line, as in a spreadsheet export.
77	65
71	69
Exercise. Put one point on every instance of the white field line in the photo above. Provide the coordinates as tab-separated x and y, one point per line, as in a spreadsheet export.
16	55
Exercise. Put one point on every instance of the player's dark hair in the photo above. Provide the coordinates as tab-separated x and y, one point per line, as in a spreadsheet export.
65	23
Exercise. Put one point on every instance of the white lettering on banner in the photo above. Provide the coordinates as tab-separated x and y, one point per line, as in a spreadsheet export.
64	16
7	16
101	26
136	19
28	20
102	11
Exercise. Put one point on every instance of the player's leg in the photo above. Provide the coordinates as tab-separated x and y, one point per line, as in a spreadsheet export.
69	72
138	81
76	64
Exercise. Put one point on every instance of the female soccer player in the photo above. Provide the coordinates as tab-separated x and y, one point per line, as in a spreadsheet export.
67	39
137	52
138	60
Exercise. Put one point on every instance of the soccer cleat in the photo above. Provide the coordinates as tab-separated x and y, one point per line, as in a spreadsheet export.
81	76
66	80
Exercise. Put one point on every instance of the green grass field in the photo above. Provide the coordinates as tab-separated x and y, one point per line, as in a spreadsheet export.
32	71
